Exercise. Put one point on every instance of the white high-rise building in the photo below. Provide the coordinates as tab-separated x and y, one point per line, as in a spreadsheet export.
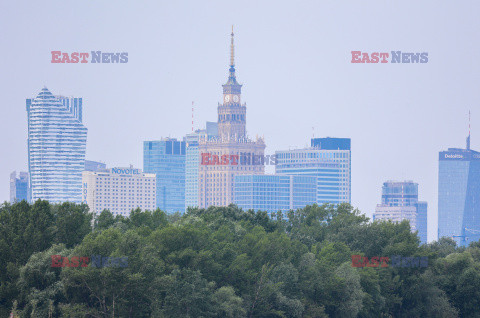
119	190
397	214
56	147
192	161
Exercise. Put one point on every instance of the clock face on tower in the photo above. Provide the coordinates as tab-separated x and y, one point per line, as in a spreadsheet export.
236	99
227	98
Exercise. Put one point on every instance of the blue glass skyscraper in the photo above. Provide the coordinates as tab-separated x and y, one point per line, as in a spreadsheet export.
422	209
94	165
329	159
19	188
56	147
399	193
400	202
459	194
166	158
272	193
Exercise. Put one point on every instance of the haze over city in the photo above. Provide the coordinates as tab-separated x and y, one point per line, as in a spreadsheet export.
293	59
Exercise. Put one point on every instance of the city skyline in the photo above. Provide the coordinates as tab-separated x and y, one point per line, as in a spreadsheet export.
372	104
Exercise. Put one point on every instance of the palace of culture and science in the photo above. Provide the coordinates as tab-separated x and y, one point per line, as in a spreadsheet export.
216	181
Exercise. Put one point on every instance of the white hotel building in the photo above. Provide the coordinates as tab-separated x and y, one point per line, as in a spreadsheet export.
119	190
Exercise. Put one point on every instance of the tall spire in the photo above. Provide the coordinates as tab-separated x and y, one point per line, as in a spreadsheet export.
232	51
232	80
468	138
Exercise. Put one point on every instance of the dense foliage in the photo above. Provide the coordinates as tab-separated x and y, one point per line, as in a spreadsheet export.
225	262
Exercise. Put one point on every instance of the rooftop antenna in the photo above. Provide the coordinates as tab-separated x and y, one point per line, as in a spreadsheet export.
468	138
232	50
192	116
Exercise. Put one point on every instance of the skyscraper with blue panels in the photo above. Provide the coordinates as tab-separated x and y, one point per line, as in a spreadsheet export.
399	193
459	195
56	147
19	188
272	193
329	159
400	202
422	209
94	165
330	143
166	158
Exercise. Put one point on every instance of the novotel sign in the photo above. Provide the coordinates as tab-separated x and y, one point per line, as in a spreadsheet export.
124	171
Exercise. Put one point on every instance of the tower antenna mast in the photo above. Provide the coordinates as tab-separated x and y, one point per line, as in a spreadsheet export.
468	138
232	51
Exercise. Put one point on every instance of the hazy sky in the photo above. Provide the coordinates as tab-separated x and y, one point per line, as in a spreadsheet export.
293	58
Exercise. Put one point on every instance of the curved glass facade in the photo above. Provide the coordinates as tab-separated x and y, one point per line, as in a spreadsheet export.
57	142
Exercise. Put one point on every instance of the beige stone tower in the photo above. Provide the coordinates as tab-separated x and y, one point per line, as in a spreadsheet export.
230	154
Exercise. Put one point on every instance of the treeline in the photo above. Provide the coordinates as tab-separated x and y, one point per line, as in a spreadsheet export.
225	262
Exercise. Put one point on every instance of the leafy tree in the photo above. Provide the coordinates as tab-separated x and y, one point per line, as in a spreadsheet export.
227	304
186	294
73	222
39	283
225	262
104	220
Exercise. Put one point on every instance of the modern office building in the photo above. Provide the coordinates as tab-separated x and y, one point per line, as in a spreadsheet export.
94	165
272	193
166	159
459	194
329	159
19	187
397	214
192	161
219	157
56	147
422	209
330	143
399	193
119	190
400	202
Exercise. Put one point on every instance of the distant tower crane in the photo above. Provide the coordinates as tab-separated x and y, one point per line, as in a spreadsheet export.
465	237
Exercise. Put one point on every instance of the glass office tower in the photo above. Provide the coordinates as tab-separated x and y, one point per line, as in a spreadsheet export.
192	161
94	165
19	189
422	209
399	193
166	158
329	159
459	194
272	193
400	202
57	142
